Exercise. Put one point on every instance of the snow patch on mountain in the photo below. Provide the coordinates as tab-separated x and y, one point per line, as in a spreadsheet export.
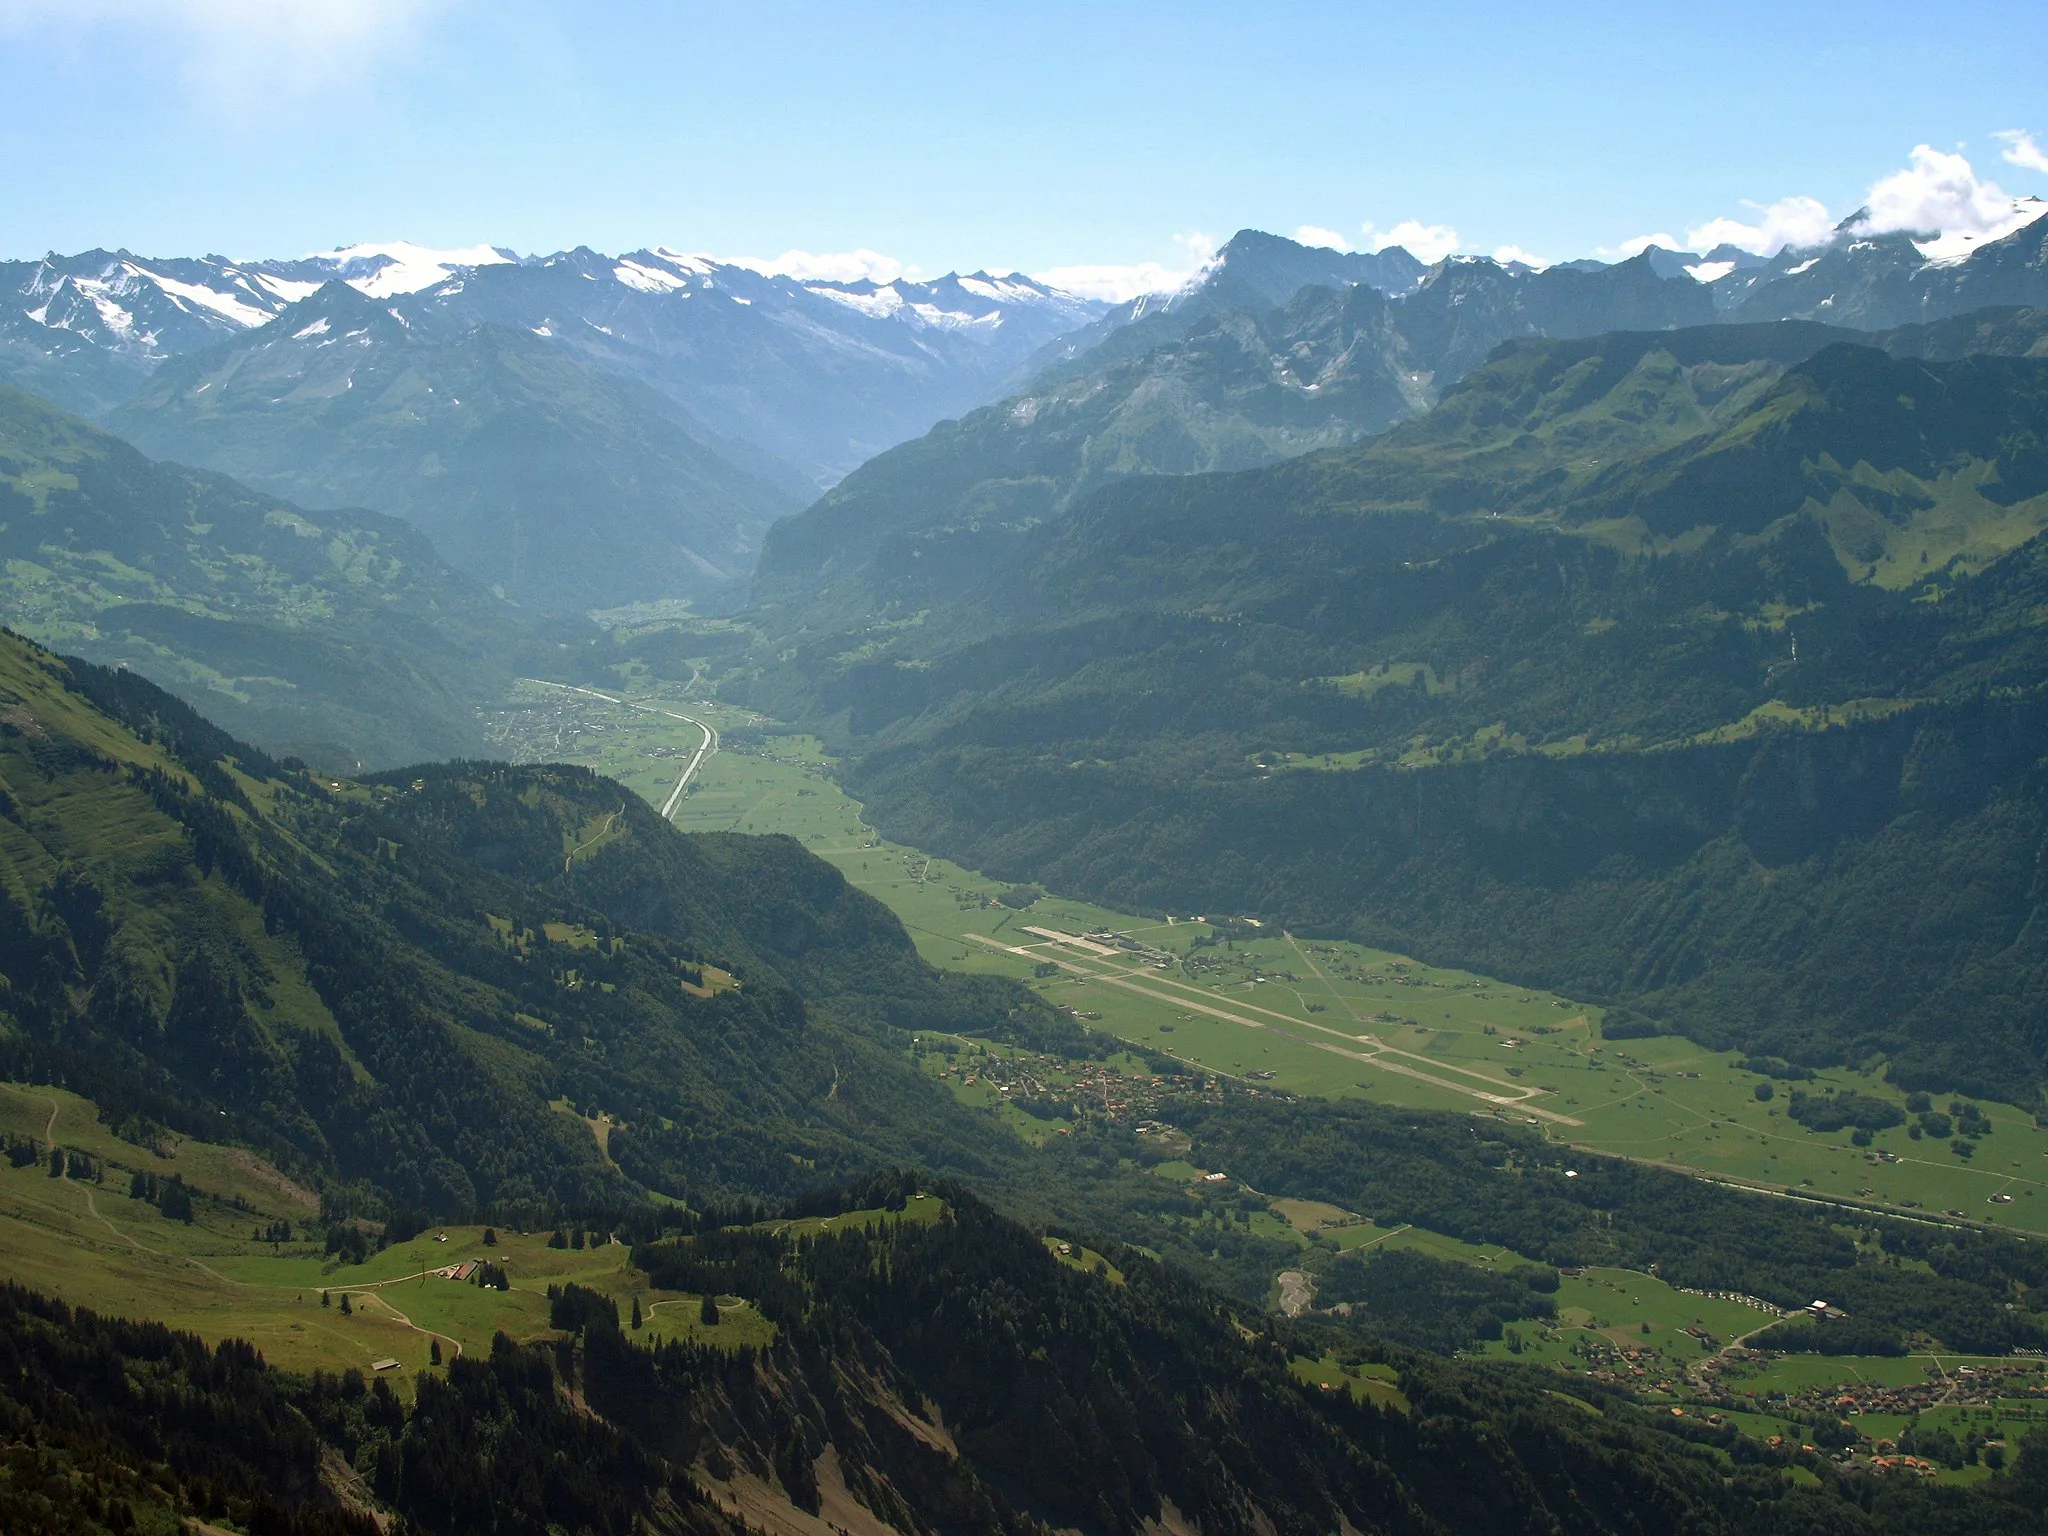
226	305
291	290
877	303
648	279
385	269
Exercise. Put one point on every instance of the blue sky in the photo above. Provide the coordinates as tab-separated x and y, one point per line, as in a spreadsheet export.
1032	136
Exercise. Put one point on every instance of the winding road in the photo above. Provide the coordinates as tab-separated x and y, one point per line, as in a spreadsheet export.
706	749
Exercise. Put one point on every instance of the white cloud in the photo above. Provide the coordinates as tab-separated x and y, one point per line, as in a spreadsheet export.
1635	245
1116	284
1938	195
1119	284
235	53
1425	242
2021	150
827	266
1315	234
1938	192
1512	253
1798	222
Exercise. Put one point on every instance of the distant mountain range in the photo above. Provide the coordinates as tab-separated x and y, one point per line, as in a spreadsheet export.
580	431
576	431
818	375
1283	348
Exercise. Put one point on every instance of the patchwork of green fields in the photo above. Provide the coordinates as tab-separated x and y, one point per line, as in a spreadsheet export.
1321	1017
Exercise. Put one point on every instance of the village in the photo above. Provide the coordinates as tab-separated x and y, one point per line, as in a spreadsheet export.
1055	1087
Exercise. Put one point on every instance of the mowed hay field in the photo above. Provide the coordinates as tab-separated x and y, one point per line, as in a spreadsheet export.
1322	1016
97	1247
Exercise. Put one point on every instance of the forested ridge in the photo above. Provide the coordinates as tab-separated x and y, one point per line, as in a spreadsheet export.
410	990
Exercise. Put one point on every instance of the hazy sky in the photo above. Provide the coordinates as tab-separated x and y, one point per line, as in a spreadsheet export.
1034	136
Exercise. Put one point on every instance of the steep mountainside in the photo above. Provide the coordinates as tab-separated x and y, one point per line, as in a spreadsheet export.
386	984
920	523
1148	389
340	636
1235	389
562	487
1254	272
819	376
1636	669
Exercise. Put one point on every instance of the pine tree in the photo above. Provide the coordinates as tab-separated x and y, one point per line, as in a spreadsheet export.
708	1315
636	1311
346	1309
433	1352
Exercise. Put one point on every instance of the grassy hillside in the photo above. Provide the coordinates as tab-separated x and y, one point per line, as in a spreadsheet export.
562	487
262	1022
340	636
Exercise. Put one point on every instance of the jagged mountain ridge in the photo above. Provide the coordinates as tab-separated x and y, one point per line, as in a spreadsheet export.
1875	282
1231	389
1218	380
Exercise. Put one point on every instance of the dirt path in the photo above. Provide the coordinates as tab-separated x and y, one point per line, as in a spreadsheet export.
599	836
415	1327
1696	1372
92	1207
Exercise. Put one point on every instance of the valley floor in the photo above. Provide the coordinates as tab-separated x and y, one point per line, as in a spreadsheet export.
1300	1015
